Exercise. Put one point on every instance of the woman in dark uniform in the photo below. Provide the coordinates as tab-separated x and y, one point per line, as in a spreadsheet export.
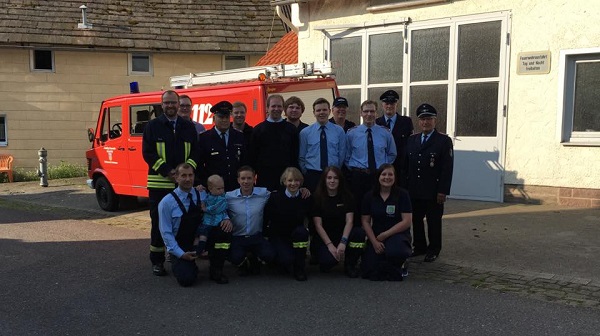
284	218
386	218
333	216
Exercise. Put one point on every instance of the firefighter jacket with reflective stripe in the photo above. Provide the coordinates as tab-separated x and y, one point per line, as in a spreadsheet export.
164	148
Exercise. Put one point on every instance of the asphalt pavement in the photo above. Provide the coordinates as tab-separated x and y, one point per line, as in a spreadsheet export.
544	252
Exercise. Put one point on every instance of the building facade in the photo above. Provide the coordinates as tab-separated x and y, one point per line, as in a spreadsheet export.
514	83
56	67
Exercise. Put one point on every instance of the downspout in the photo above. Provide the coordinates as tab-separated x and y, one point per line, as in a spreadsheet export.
285	19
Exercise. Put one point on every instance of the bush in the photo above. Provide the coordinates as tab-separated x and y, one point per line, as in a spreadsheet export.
62	170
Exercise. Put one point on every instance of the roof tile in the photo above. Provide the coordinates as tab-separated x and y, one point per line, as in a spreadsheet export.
283	52
209	25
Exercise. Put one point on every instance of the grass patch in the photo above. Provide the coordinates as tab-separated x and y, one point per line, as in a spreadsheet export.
62	170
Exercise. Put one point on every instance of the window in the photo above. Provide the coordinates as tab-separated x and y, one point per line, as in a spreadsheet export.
112	128
140	64
235	62
140	115
42	60
579	112
3	138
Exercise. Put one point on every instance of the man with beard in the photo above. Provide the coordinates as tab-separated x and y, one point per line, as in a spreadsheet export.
168	140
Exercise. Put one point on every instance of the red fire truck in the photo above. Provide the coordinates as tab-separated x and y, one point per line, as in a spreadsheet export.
116	168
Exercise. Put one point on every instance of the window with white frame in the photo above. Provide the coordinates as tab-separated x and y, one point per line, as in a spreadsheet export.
3	138
42	60
235	62
140	64
579	112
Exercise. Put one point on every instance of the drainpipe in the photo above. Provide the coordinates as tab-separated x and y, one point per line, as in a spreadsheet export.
285	19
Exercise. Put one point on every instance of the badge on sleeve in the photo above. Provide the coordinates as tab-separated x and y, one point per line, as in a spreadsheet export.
390	209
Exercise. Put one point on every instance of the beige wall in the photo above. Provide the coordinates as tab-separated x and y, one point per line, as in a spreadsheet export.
53	110
534	154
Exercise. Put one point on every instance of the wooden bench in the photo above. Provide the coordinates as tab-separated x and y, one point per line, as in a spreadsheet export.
6	166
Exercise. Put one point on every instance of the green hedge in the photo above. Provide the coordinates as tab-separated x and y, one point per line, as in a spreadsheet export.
62	170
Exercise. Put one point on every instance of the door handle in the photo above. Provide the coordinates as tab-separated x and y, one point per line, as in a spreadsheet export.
131	148
121	148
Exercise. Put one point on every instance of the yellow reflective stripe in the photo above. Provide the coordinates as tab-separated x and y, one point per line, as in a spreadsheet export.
158	178
187	147
300	244
161	185
160	182
161	150
157	249
157	164
222	246
356	245
192	163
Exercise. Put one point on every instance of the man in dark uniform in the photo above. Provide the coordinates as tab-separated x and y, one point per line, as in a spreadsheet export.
239	123
222	149
340	104
401	126
168	140
429	164
274	145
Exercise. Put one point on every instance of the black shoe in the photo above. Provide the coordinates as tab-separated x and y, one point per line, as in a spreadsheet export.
219	277
254	265
159	270
431	257
351	271
300	275
244	268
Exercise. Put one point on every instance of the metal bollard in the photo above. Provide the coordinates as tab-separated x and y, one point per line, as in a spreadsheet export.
43	171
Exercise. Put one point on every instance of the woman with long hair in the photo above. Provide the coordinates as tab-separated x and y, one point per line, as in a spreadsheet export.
333	216
386	219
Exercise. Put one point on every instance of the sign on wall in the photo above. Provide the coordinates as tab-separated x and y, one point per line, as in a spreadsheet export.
533	62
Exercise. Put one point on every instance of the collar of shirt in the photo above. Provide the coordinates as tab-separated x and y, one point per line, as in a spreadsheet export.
183	195
393	119
269	119
290	195
256	191
428	135
219	132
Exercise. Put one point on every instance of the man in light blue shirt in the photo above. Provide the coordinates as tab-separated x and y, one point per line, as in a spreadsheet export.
322	144
369	146
245	206
179	214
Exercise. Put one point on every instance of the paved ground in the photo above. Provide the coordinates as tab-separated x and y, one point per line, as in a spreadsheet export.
536	251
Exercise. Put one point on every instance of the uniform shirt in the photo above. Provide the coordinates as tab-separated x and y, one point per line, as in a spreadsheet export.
246	212
169	218
347	124
429	165
357	155
310	146
332	210
388	213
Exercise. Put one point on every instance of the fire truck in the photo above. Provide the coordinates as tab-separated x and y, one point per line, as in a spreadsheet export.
116	168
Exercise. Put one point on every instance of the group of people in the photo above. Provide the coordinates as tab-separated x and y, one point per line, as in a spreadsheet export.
263	195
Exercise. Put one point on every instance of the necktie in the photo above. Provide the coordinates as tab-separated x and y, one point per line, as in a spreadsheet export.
389	123
223	139
371	151
173	124
323	144
192	204
424	138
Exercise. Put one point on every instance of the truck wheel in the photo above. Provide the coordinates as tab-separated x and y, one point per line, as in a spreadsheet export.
107	199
